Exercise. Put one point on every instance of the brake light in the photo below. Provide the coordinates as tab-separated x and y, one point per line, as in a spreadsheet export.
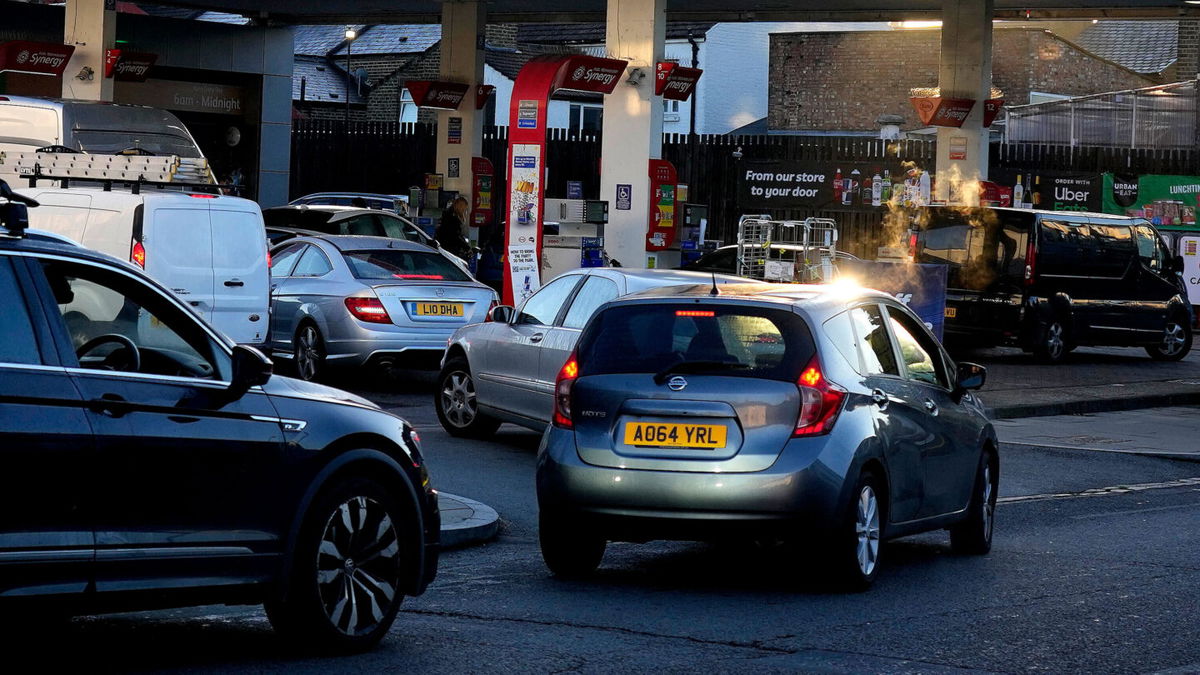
138	254
562	393
494	305
268	258
419	276
370	310
820	401
912	246
201	196
1030	263
695	312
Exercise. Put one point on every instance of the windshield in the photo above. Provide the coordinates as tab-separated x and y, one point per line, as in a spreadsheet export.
981	247
732	340
395	264
113	142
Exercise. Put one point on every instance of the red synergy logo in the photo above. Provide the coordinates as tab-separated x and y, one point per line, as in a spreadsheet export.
41	58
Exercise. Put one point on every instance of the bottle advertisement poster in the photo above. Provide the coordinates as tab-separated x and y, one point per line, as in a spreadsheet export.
837	185
524	278
525	178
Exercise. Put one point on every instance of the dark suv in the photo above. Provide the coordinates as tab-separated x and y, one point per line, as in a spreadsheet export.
148	462
1048	281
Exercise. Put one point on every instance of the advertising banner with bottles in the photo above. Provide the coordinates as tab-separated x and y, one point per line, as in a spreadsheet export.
824	185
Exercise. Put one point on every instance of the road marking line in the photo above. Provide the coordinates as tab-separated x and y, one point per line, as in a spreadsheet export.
1147	452
1129	511
1102	492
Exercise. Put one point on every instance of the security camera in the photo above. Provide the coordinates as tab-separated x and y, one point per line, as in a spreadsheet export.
85	73
635	77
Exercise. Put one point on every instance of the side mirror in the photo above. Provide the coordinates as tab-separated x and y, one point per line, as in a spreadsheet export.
250	368
1177	264
971	376
501	314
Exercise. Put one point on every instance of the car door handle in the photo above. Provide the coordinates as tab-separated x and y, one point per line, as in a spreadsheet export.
234	283
109	405
931	407
879	398
537	337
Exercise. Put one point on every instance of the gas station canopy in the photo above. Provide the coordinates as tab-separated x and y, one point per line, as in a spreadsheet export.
527	11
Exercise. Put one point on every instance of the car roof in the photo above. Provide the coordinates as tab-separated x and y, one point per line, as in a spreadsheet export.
374	195
37	241
819	300
324	208
353	242
1045	212
637	279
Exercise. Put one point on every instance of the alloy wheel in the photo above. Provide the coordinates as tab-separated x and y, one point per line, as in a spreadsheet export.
1174	339
358	566
1055	344
866	528
307	353
458	399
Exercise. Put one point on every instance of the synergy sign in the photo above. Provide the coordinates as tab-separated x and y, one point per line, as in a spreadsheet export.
35	58
675	82
434	94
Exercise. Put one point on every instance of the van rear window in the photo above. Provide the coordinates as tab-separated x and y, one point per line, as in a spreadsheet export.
983	248
732	340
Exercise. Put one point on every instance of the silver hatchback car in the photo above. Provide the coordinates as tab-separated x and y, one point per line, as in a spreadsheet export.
350	301
503	370
813	412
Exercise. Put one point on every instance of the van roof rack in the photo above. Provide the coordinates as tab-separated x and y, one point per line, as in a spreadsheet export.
129	170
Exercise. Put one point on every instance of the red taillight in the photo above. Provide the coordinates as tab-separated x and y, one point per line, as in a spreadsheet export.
1030	263
820	401
562	393
695	312
370	310
488	316
912	246
202	196
138	254
268	258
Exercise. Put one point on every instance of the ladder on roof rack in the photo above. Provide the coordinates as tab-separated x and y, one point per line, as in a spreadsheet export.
131	170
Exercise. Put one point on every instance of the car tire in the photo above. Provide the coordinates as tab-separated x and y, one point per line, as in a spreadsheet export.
308	352
1176	341
569	552
974	535
1053	341
858	541
334	602
456	403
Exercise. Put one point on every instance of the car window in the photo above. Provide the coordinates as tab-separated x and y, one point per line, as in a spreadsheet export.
1150	250
724	260
399	229
542	307
732	340
595	292
365	224
312	264
101	310
840	331
397	264
283	261
874	345
921	356
18	344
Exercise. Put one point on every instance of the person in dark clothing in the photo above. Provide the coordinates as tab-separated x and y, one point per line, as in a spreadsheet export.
450	232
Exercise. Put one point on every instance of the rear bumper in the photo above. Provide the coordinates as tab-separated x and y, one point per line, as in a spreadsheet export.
398	344
801	492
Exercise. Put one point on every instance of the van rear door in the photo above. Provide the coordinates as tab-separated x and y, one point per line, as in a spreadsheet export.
241	278
177	237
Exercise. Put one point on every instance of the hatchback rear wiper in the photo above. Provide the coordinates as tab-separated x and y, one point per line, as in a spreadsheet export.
697	366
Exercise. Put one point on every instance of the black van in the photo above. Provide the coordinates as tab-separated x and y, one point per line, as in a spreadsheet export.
1047	281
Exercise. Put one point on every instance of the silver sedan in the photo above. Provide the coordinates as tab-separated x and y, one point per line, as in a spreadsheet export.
352	301
504	370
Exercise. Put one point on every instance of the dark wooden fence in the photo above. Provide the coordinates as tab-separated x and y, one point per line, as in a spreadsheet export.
391	157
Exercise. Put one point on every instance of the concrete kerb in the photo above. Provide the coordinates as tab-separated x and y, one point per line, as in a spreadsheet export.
1085	406
466	522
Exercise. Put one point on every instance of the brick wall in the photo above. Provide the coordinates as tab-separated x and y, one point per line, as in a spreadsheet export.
844	81
1188	64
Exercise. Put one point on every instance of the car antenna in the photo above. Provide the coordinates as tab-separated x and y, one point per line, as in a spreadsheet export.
714	290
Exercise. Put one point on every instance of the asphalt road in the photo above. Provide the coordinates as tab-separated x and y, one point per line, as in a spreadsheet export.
1079	580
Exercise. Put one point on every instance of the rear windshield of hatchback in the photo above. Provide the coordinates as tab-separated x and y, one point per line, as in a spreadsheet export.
730	340
390	264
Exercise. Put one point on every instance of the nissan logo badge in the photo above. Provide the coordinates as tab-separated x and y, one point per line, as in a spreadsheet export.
677	383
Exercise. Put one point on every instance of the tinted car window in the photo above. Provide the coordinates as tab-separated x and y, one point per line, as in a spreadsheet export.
840	331
313	263
399	229
922	359
874	345
17	341
393	264
542	307
721	260
1114	247
730	339
283	261
595	292
95	302
980	247
364	225
305	219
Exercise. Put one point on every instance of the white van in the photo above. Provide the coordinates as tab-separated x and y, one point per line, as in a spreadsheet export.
211	250
28	123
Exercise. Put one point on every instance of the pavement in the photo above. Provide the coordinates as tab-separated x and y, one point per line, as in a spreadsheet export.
466	521
1172	432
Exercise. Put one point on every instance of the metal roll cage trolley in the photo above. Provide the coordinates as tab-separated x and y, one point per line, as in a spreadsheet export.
800	251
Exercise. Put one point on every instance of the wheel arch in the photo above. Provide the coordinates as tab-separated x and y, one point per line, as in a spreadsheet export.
364	455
